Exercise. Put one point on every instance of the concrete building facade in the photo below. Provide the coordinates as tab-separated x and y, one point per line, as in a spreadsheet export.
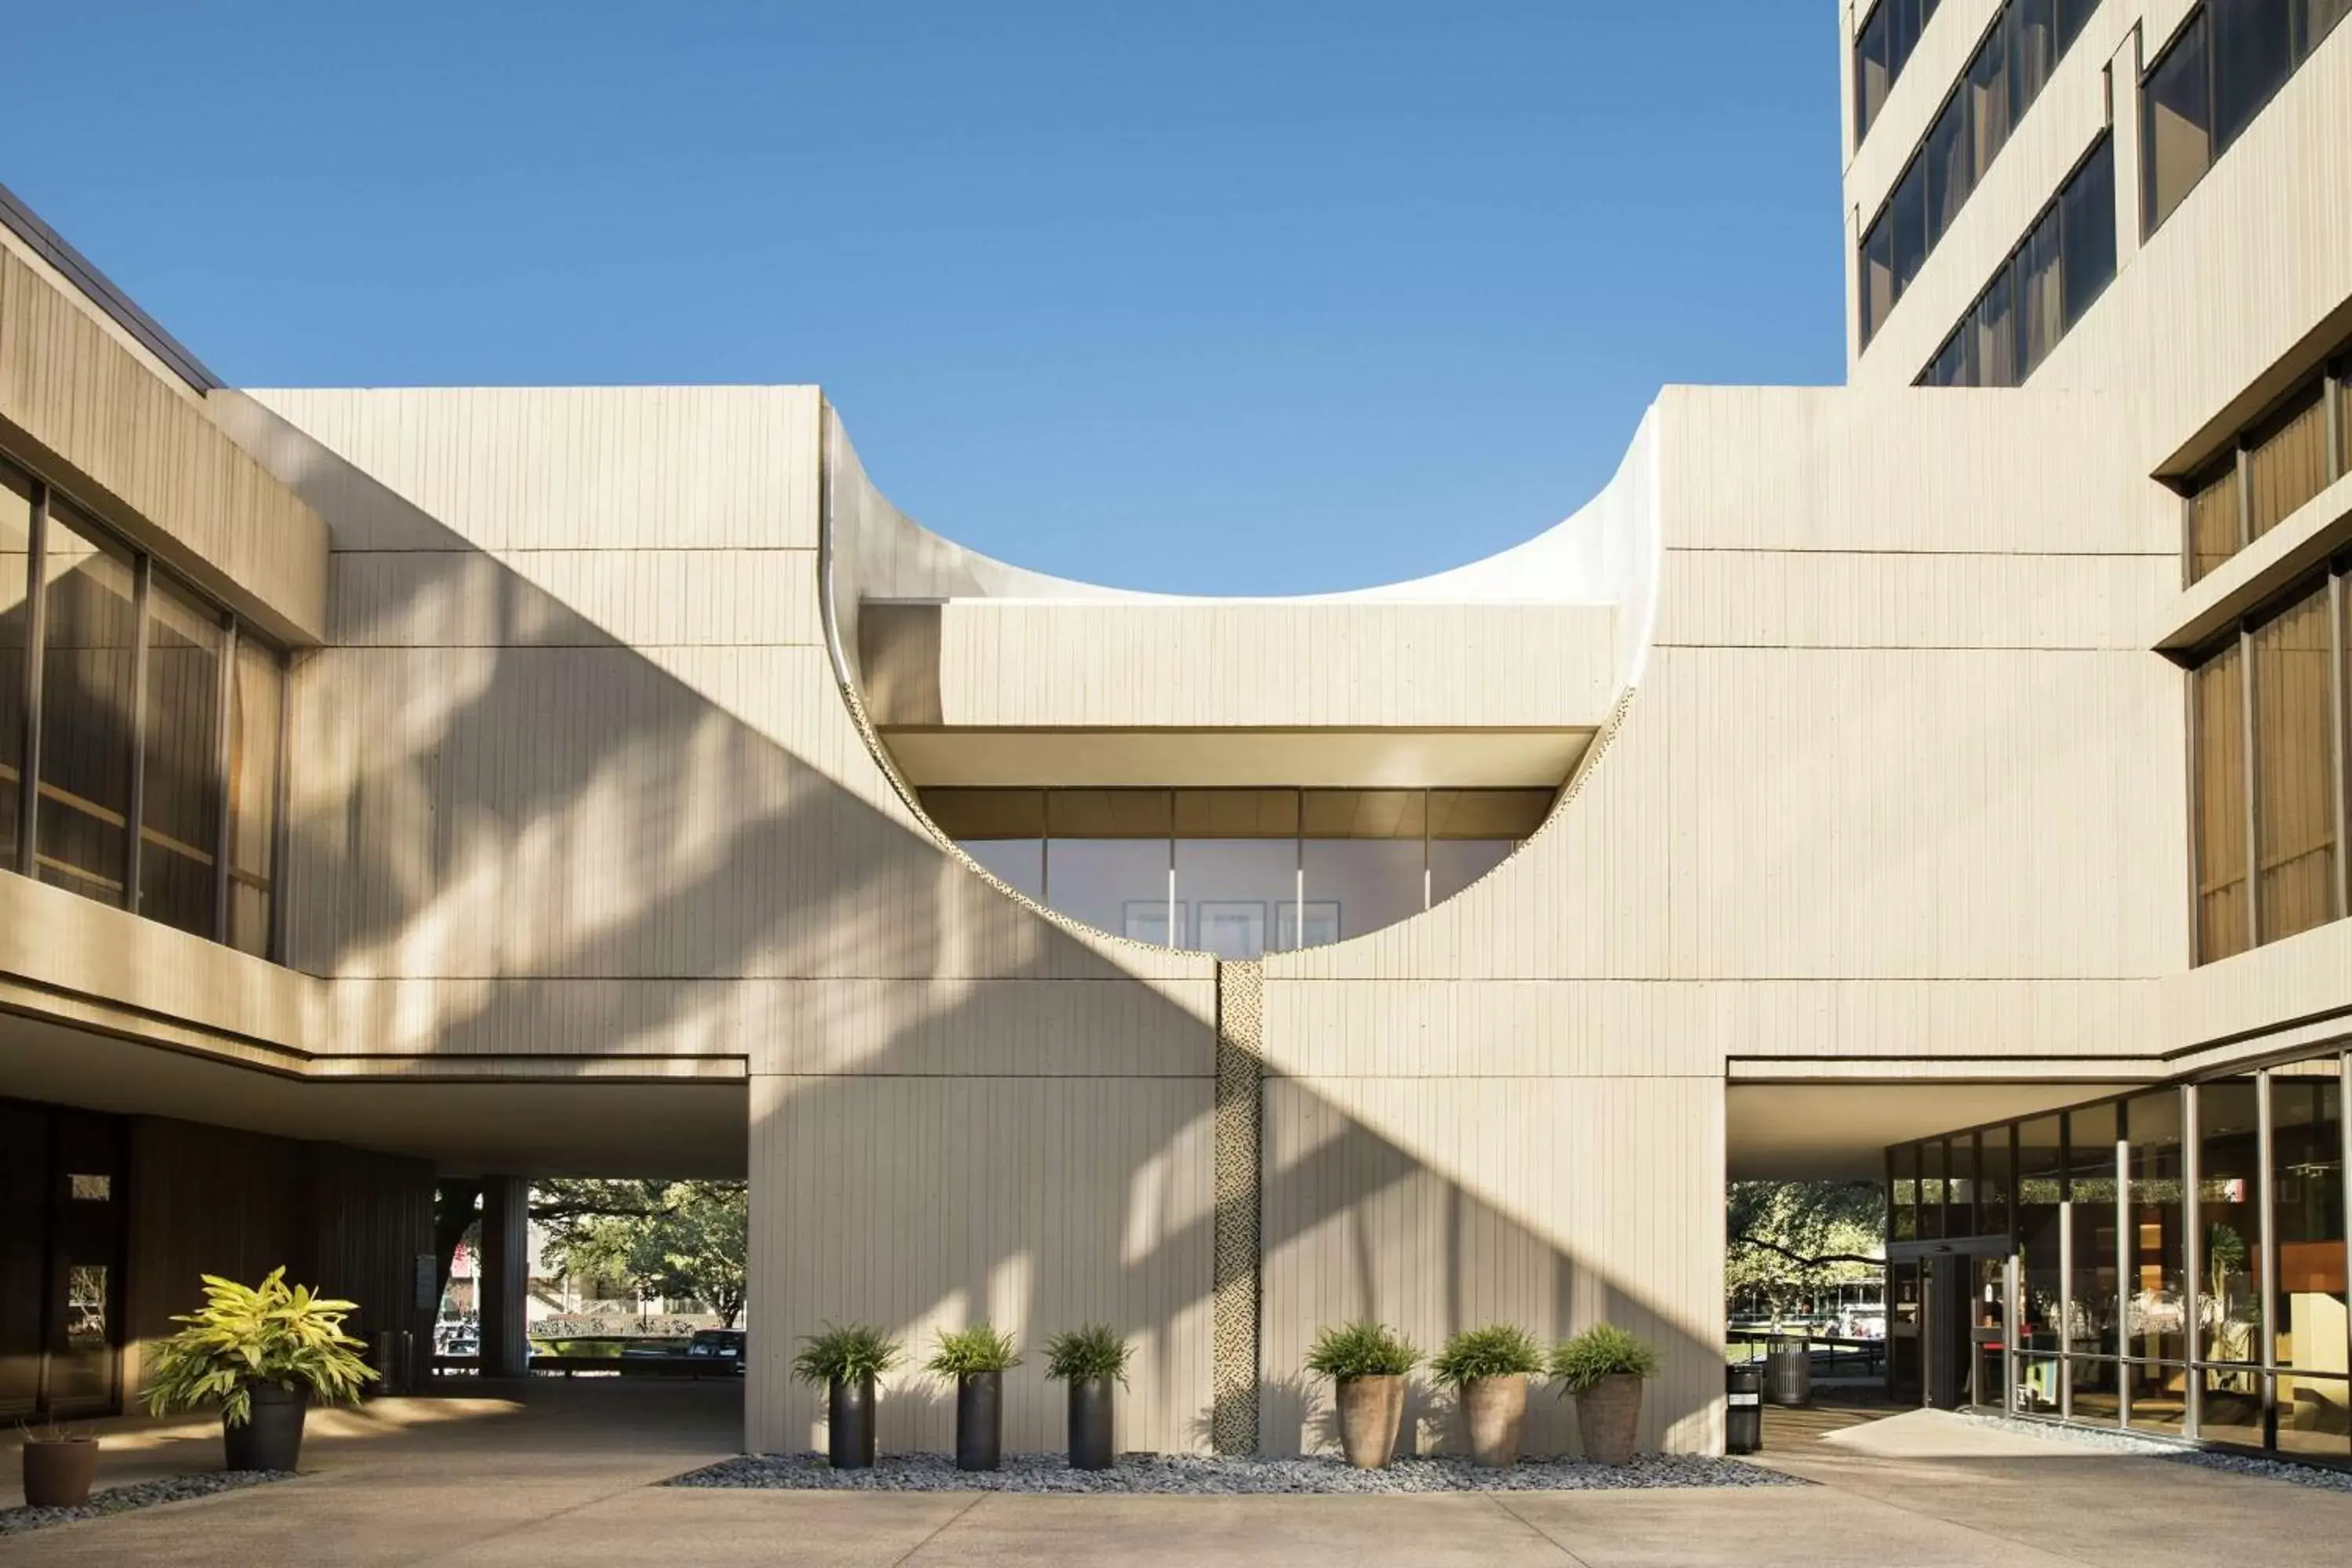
656	799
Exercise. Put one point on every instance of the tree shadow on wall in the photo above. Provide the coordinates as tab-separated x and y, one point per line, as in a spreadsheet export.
522	836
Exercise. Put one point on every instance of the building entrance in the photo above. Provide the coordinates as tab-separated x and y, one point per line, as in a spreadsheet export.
1948	1320
61	1232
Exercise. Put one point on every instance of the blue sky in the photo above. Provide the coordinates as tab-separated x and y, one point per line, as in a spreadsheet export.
1258	298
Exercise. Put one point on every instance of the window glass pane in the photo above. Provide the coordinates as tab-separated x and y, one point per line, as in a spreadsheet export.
2252	54
1877	275
1455	863
1117	884
2222	910
2176	125
2087	230
2315	19
2287	463
1995	328
1951	367
1903	1211
2032	50
179	817
2041	287
254	711
1018	863
2091	1179
2155	1323
15	536
1988	90
2307	1221
2072	15
1995	1185
1910	212
1949	174
2229	1185
2213	523
2040	1184
1960	1186
2295	770
86	698
1236	889
1871	76
1359	885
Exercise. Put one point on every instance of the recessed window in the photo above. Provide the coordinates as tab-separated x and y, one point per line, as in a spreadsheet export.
2270	470
2223	67
2050	282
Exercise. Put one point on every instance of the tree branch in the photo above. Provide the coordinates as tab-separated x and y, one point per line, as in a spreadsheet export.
1795	1256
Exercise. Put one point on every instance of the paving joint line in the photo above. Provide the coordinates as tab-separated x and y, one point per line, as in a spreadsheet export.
944	1525
1526	1523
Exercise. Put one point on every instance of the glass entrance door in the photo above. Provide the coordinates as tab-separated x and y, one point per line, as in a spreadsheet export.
1989	1331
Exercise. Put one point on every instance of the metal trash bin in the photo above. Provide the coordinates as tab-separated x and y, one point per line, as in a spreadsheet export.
1743	1417
1789	1373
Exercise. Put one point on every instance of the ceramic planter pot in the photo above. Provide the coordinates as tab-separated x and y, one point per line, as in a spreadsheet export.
980	1420
849	1424
1495	1409
1090	1418
58	1471
272	1439
1606	1416
1371	1409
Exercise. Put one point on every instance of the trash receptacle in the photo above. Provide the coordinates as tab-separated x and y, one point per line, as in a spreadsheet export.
1743	1419
1789	1373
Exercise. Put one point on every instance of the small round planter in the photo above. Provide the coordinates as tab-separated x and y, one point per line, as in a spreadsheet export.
1370	1410
1495	1409
272	1438
1090	1420
1607	1416
58	1471
980	1420
849	1424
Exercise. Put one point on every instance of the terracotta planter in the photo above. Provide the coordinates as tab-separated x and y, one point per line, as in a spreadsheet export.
1606	1416
272	1439
1494	1410
57	1471
1371	1409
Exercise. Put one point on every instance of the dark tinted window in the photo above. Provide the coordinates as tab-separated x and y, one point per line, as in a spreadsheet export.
1951	175
2072	15
2087	217
1871	76
2033	46
1910	212
2176	125
1877	275
2253	55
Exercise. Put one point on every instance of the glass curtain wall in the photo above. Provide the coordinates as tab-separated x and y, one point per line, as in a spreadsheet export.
1238	872
15	629
89	641
2182	1255
2268	472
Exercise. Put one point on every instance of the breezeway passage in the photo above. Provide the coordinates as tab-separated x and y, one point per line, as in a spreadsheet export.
550	1471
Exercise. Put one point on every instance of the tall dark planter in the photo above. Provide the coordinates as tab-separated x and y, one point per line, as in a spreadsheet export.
849	1424
980	1420
272	1439
1090	1413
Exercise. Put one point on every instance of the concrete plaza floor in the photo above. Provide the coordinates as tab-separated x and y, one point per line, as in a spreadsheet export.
553	1471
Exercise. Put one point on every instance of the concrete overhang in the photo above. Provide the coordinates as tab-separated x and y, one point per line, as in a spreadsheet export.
1791	1131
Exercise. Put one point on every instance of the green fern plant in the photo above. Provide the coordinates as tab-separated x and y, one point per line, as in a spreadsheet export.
1604	1350
1095	1350
244	1335
980	1348
851	1355
1498	1350
1361	1349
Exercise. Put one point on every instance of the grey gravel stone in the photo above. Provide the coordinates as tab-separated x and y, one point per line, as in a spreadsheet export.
2178	1450
1199	1474
139	1494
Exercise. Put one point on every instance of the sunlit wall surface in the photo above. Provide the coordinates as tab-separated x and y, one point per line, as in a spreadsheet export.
1238	872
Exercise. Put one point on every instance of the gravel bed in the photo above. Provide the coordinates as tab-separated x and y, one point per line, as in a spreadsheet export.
139	1494
2317	1477
1198	1474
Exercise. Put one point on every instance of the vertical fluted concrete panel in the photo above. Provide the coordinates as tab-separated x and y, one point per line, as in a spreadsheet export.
1241	1105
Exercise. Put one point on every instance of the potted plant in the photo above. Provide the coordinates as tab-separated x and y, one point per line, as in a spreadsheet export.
977	1358
1604	1367
844	1362
262	1354
1088	1359
1488	1369
1367	1362
60	1464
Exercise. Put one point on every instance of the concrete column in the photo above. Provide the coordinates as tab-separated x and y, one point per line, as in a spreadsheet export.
503	1286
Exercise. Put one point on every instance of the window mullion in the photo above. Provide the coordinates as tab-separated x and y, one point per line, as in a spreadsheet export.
135	816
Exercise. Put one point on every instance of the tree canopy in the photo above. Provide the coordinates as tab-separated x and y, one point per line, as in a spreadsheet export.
672	1239
1788	1240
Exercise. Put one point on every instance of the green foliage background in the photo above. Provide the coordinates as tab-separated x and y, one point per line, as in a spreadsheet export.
1786	1240
672	1239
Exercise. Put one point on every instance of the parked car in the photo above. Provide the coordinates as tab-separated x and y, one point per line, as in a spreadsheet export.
715	1344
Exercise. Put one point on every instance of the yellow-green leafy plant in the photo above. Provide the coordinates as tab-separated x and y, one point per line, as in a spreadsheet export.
244	1335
